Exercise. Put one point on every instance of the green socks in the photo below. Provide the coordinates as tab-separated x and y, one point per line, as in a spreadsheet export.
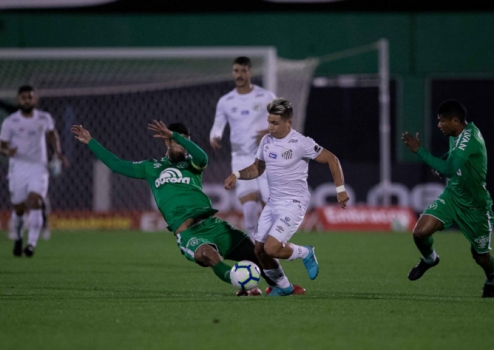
222	270
424	245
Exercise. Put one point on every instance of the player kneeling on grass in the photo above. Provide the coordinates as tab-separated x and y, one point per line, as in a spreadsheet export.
176	184
284	154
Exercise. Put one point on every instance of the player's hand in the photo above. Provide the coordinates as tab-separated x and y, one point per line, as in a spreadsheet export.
215	143
10	152
436	174
81	134
63	159
342	199
230	182
413	143
160	128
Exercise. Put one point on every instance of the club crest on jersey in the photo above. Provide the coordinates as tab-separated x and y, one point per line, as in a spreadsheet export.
171	175
287	154
273	155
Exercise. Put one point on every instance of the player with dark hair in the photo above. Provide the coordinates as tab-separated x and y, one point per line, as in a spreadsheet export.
465	200
23	139
176	183
244	109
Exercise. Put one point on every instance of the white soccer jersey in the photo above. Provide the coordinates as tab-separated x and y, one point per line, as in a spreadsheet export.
287	165
29	136
247	115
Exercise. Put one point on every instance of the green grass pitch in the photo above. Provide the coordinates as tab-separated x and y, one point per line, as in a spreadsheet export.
133	290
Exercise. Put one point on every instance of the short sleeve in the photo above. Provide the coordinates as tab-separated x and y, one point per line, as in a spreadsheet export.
310	148
260	153
50	123
6	131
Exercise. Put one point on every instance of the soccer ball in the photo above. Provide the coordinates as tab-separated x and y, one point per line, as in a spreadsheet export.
245	275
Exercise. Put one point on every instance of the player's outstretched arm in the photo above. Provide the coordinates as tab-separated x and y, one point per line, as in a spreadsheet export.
249	173
447	167
109	159
199	157
326	157
54	141
5	150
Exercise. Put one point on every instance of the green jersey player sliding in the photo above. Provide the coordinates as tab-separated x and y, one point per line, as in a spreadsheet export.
176	184
465	200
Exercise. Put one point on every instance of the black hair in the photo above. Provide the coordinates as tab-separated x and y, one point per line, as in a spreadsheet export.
243	60
25	88
179	127
453	108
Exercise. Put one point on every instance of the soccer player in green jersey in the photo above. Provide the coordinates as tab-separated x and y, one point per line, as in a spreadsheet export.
465	200
176	184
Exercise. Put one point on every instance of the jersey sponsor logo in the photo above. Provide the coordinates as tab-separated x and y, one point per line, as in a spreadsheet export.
317	148
272	155
280	229
31	132
287	154
482	242
293	141
259	95
229	98
171	175
465	139
245	112
16	120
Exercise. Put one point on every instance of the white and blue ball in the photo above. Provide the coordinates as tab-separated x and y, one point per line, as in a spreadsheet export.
245	275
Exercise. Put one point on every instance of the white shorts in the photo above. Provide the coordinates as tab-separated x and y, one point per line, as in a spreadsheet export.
280	221
20	185
245	187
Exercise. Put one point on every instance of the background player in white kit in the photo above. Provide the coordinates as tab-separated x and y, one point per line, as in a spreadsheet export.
23	139
244	109
284	155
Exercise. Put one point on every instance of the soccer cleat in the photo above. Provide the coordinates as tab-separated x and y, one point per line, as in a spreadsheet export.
418	270
311	264
18	247
281	292
249	293
296	289
29	250
488	291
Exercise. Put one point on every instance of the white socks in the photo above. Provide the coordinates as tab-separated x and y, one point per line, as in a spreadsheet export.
35	220
431	258
251	215
299	252
18	223
278	277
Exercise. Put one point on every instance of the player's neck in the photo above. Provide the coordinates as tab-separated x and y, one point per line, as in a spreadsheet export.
246	89
460	129
27	115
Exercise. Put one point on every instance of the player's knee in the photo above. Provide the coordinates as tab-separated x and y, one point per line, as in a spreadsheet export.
421	232
34	201
271	250
207	255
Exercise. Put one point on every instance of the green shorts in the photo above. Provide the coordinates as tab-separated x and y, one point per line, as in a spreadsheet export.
218	233
475	224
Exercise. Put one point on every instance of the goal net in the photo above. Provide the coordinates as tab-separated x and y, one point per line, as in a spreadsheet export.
114	93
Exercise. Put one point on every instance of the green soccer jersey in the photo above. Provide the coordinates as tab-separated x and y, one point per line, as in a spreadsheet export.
466	168
176	187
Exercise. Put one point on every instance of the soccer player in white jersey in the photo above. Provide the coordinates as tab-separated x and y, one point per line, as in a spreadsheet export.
23	138
284	155
244	110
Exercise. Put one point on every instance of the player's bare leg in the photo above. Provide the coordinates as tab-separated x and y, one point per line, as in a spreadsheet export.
274	271
34	204
422	236
18	223
290	251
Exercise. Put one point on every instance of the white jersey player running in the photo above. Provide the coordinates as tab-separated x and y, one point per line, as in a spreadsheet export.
244	109
23	140
284	155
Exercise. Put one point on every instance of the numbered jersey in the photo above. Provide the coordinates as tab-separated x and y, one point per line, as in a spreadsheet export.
468	185
177	189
